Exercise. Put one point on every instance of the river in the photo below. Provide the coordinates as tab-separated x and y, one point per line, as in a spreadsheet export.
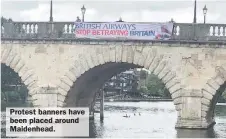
157	120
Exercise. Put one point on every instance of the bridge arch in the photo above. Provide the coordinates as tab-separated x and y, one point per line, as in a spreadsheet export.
211	92
105	62
13	60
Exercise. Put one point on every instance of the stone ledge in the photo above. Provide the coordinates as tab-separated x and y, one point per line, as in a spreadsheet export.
169	43
191	93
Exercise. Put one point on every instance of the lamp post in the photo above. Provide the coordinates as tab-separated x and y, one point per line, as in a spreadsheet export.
204	13
194	20
83	9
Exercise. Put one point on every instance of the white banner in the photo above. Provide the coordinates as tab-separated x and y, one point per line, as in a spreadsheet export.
123	30
47	122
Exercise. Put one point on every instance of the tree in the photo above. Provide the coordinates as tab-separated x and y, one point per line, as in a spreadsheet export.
143	74
222	98
224	94
155	87
9	77
4	20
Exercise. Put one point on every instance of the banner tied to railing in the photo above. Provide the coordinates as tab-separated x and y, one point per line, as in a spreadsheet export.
123	30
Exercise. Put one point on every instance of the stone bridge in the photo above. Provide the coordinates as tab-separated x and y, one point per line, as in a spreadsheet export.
62	71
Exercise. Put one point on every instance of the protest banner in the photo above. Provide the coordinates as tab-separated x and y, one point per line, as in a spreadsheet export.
123	30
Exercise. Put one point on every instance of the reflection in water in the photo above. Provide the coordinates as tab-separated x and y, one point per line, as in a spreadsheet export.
157	119
92	129
185	133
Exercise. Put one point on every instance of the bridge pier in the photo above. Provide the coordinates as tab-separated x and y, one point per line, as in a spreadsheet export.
91	115
191	115
45	97
194	124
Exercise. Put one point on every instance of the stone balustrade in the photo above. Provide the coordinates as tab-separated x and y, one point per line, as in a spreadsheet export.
204	32
65	30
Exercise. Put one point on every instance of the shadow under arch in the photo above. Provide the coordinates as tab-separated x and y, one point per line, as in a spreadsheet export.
213	103
13	60
211	94
83	90
219	92
14	93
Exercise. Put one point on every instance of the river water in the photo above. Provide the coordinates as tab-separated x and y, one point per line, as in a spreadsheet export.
157	120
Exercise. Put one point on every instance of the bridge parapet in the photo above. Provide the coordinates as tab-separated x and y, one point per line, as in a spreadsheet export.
63	30
204	32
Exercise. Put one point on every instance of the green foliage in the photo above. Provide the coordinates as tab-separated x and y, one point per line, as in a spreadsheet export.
222	98
9	77
154	87
3	20
143	89
224	94
143	74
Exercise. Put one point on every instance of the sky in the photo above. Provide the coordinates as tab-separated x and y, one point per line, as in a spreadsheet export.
181	11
